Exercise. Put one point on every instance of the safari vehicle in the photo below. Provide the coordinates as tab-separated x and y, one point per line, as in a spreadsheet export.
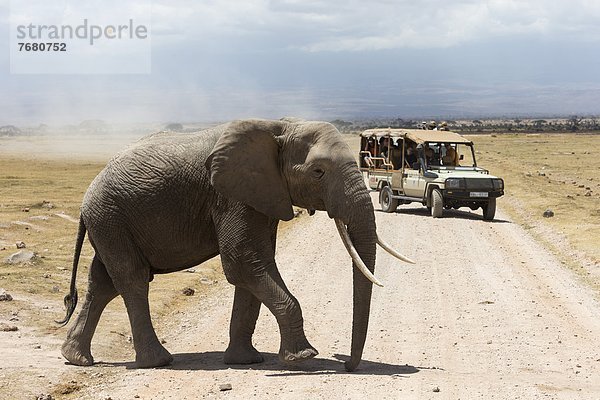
435	168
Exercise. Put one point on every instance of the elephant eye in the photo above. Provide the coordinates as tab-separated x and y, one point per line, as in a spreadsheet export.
318	172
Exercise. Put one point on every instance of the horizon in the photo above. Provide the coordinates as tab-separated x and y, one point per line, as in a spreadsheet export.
135	126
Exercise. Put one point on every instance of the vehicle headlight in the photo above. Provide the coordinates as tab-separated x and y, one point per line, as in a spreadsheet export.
454	183
498	184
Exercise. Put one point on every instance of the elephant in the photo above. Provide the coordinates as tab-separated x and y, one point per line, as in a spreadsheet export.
171	201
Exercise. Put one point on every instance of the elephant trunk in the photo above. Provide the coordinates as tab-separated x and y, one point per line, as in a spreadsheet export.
360	221
363	237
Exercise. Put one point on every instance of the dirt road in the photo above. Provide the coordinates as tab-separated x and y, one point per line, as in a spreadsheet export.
485	313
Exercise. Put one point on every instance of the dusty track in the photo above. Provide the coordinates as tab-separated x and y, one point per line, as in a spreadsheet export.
486	313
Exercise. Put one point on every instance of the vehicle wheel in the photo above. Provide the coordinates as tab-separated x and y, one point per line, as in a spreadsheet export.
489	210
388	204
437	204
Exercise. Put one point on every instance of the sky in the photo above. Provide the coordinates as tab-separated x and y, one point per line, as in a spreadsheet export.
216	60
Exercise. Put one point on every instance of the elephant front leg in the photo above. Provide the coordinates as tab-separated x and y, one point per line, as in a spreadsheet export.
255	285
294	345
245	312
247	247
267	286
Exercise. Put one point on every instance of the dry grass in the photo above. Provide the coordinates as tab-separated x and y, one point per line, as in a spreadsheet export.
540	171
25	184
559	172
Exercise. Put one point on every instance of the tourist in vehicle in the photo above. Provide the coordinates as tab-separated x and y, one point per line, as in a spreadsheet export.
450	158
429	154
396	155
384	147
371	148
411	157
424	154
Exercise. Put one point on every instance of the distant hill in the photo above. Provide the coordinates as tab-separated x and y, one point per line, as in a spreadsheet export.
490	125
9	130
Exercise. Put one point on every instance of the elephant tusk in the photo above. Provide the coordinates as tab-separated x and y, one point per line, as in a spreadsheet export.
393	252
354	254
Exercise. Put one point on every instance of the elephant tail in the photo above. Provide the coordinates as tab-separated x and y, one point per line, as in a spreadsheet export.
71	298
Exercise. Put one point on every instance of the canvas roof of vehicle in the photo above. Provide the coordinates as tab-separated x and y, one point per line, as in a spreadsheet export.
418	135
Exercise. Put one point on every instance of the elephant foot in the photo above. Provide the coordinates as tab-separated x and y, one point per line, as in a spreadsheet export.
300	352
242	355
75	355
157	357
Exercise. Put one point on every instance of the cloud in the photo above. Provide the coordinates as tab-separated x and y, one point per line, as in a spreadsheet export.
353	25
440	24
218	59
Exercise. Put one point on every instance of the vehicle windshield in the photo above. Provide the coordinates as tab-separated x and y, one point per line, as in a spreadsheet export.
449	156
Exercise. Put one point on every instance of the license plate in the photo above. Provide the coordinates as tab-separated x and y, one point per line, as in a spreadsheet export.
479	194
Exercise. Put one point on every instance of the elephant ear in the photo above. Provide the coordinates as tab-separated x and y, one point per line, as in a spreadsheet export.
244	166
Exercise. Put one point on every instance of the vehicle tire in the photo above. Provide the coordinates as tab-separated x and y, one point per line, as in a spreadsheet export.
489	210
437	203
388	204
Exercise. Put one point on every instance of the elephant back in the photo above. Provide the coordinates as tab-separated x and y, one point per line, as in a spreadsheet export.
150	179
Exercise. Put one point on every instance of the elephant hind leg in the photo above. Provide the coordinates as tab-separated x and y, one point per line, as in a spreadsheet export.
246	308
101	290
149	353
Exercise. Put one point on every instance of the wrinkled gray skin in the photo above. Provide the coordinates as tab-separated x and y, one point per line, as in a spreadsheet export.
171	201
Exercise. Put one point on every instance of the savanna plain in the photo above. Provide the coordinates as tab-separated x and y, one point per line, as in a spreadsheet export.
507	309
